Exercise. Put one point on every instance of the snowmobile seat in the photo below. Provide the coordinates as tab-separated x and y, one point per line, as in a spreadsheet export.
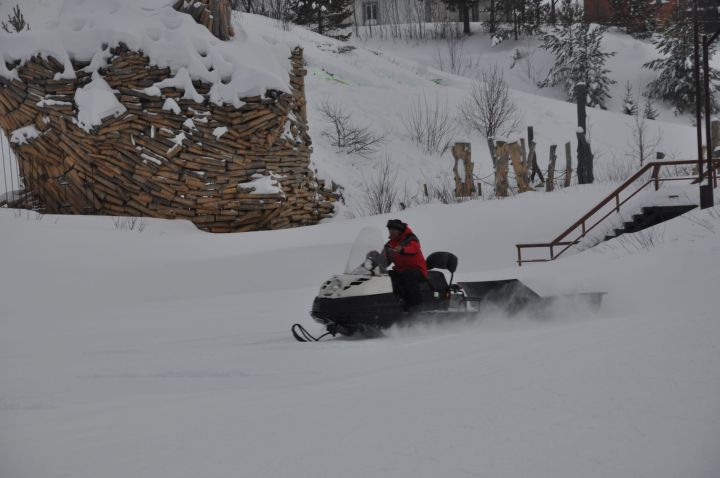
440	260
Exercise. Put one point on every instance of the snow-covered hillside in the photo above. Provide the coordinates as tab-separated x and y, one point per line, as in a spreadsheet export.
377	83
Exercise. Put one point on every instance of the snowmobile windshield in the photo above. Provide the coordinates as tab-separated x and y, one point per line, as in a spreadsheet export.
366	253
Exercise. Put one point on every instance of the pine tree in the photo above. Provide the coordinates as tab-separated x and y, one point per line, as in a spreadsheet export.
16	20
629	105
675	82
639	18
326	17
578	56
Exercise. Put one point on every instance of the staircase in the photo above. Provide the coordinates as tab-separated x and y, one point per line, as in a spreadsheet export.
650	216
660	210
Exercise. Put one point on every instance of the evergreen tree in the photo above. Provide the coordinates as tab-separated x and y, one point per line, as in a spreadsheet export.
579	57
326	17
675	82
629	105
16	20
639	18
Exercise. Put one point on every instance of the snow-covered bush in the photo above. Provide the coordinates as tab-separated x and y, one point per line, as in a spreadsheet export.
489	108
579	57
429	125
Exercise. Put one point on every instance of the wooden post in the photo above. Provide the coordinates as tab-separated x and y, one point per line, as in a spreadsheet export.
519	167
585	156
532	158
493	157
501	170
568	165
523	151
550	184
425	189
715	136
464	186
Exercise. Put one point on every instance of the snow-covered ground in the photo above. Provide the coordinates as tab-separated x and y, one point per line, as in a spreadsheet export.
147	348
167	352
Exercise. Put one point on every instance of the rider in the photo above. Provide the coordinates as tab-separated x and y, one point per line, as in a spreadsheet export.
403	250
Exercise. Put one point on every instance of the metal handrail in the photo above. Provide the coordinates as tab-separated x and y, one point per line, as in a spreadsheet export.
561	240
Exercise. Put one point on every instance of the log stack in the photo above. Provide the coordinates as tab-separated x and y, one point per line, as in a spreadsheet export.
194	163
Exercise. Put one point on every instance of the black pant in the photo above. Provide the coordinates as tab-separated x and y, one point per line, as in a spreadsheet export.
406	285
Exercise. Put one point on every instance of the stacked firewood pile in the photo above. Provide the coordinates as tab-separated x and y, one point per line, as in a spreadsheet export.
166	156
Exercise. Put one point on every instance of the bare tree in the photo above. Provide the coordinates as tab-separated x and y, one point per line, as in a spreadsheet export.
345	135
429	125
281	11
643	143
450	55
489	108
381	192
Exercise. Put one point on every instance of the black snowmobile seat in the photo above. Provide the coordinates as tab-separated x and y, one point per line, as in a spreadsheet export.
440	260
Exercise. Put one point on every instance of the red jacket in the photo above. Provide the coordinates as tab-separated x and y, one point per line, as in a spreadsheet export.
410	255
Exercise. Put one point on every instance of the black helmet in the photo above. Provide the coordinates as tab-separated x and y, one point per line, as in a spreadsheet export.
396	224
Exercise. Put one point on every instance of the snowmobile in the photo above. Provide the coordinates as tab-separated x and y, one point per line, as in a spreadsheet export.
362	301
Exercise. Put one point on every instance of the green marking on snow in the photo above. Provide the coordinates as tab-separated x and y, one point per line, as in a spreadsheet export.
325	75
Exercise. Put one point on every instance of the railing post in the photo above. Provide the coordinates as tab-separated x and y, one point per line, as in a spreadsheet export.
552	252
655	174
519	254
617	202
583	228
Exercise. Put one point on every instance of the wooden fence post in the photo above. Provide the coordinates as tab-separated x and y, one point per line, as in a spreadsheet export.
532	158
550	184
568	165
585	156
493	157
464	186
501	169
521	176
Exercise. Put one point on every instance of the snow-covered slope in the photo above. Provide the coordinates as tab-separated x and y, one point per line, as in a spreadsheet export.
377	83
167	352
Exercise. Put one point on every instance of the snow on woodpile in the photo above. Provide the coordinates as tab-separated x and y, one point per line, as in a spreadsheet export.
133	108
85	30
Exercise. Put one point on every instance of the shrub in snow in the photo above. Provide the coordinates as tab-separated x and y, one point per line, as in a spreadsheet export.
579	57
644	142
450	54
429	125
675	82
347	136
381	193
489	108
16	20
